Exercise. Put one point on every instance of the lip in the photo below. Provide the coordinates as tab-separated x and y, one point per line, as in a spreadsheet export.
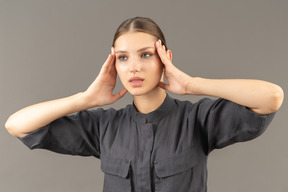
136	81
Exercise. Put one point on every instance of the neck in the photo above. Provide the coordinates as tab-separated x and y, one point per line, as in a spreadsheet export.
150	102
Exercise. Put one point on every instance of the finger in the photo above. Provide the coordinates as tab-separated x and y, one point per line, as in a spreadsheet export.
104	67
112	68
162	53
120	94
109	66
114	56
111	63
112	50
163	85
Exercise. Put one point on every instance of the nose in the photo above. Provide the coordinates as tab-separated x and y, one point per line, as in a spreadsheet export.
135	66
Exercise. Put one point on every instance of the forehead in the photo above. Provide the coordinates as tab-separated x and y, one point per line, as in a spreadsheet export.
134	40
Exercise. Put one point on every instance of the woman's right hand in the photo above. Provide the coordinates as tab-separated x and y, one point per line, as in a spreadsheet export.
38	115
100	92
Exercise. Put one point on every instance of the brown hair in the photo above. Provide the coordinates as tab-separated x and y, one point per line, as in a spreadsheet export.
140	24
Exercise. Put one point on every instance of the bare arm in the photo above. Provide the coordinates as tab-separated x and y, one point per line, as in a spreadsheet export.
259	96
35	116
99	93
262	97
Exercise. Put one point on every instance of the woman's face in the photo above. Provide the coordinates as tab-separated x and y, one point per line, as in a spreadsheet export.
137	62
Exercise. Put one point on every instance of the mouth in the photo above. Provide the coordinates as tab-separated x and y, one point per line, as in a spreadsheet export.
136	81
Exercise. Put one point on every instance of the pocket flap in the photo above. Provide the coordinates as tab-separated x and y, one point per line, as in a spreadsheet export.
113	166
177	163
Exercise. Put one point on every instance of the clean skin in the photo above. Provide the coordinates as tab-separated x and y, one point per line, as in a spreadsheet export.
140	60
140	69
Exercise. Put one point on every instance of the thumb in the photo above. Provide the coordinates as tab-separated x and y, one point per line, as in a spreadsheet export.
119	95
163	85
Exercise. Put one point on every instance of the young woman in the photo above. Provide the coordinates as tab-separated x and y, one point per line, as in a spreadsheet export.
157	143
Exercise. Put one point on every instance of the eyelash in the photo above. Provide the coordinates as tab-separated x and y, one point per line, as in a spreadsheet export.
122	58
144	55
147	55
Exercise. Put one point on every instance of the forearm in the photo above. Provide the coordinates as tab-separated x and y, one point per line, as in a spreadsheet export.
36	116
99	93
260	96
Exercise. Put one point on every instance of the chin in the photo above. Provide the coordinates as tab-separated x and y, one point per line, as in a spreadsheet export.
137	93
141	91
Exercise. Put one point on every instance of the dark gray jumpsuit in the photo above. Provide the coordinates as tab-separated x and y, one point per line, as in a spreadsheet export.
163	151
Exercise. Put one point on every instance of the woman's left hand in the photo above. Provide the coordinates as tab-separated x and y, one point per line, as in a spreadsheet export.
178	81
259	96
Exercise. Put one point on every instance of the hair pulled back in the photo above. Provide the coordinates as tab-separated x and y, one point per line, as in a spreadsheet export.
140	24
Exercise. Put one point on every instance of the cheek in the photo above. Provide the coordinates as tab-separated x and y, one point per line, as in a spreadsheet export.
153	63
158	66
121	71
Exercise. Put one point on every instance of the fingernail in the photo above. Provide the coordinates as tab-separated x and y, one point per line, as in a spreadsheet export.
112	50
157	43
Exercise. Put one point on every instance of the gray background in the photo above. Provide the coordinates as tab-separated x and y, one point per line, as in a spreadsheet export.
53	49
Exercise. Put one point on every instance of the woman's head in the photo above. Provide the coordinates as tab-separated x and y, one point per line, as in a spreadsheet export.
137	62
140	24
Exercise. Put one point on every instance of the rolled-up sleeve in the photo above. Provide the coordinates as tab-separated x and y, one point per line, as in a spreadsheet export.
77	134
225	123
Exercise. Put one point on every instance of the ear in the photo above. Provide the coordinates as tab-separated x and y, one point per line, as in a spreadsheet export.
169	54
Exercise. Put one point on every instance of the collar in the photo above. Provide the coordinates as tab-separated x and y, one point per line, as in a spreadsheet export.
156	115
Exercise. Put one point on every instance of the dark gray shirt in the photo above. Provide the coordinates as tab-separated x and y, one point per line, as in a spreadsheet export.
163	151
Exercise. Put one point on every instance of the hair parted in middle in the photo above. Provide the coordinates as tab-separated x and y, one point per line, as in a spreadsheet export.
140	24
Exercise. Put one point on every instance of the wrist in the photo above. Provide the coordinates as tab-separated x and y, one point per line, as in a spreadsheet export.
84	101
194	86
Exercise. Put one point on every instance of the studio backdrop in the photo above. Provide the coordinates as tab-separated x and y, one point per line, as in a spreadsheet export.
53	49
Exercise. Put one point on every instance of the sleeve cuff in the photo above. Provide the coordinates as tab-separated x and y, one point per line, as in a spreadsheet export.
35	138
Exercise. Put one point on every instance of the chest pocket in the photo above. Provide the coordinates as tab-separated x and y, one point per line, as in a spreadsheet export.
117	174
175	173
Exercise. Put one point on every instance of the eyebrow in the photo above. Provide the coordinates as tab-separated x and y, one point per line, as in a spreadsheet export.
139	50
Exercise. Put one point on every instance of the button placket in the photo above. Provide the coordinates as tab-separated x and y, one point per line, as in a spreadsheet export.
145	147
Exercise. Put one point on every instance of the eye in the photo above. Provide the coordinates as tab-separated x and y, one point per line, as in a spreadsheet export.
122	58
145	55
